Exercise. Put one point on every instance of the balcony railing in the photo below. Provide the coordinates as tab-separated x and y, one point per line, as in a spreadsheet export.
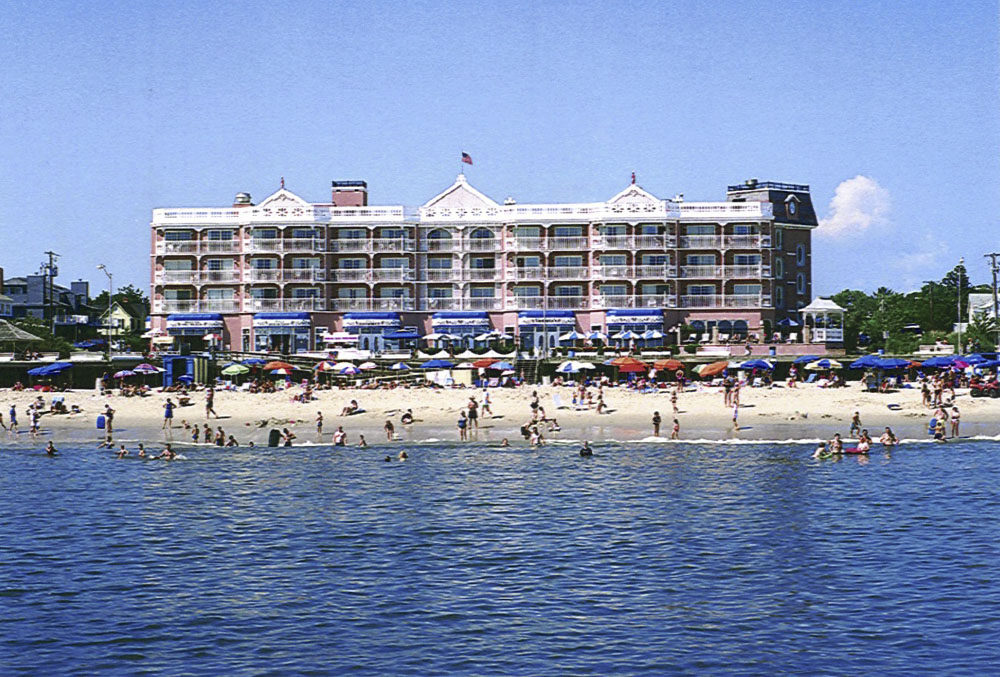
351	275
392	274
482	274
176	247
439	245
351	245
526	273
567	243
483	244
568	272
658	272
261	275
220	247
258	305
393	245
441	275
633	242
725	301
708	272
303	275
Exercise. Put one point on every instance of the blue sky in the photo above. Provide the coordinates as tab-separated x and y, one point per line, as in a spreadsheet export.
110	109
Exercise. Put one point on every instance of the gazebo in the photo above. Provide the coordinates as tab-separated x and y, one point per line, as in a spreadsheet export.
12	334
825	321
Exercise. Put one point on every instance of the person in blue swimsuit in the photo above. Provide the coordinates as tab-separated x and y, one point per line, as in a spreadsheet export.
168	414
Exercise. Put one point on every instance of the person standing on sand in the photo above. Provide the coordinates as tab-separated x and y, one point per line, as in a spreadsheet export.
390	430
319	424
168	414
656	423
673	398
13	430
486	403
473	413
210	403
855	423
1	421
955	418
339	437
462	424
736	416
675	433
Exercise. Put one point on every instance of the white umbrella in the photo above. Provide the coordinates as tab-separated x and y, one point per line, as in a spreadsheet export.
399	366
569	367
435	336
597	336
572	336
626	335
367	366
652	334
340	366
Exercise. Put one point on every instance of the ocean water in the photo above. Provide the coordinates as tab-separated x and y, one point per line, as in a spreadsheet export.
646	559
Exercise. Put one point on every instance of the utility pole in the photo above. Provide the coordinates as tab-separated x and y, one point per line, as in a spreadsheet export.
961	270
50	272
994	268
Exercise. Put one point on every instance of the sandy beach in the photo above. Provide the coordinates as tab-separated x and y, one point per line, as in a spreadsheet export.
778	413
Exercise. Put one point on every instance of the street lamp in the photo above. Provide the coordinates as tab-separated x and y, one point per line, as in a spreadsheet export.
961	265
111	292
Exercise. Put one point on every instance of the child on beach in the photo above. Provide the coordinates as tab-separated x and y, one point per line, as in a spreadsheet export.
736	415
855	423
463	434
390	430
675	433
656	423
955	417
319	423
673	398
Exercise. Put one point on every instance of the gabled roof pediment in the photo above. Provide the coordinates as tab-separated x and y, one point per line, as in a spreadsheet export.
634	195
283	198
460	195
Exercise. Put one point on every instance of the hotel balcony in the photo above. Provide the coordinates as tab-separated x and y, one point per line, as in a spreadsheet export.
350	246
195	306
392	274
345	304
485	244
196	277
461	303
724	241
634	272
482	274
260	305
568	272
634	242
725	301
440	245
704	272
441	275
287	245
527	273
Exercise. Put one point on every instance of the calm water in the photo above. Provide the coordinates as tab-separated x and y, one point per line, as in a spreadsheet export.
646	559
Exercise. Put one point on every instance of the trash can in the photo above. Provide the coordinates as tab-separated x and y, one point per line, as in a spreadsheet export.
274	438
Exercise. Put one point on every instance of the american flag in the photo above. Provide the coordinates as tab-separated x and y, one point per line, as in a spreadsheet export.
466	158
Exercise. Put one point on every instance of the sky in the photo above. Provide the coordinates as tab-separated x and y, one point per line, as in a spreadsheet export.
890	111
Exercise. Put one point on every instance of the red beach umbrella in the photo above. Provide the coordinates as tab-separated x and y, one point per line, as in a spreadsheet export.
628	365
277	364
668	365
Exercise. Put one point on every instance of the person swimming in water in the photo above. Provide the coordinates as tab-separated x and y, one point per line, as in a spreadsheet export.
403	455
585	450
50	449
864	442
504	442
821	451
888	438
836	445
122	452
362	443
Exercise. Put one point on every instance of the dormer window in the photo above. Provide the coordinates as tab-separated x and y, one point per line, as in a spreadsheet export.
792	206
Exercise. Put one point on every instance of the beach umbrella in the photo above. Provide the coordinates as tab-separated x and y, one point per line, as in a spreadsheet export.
941	361
254	362
466	365
349	370
573	336
37	371
146	369
712	370
502	366
56	368
367	366
866	362
185	379
757	364
493	336
652	334
597	336
668	365
805	359
485	363
124	373
325	365
281	372
341	366
569	367
626	335
437	364
278	364
893	363
823	365
629	365
787	322
235	370
399	366
975	359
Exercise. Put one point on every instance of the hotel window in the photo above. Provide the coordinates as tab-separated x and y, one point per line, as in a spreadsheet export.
779	238
567	290
178	235
699	230
746	260
177	294
305	233
351	293
700	289
439	234
567	231
651	289
529	261
531	290
393	262
567	261
177	264
779	297
654	259
744	229
264	233
485	293
800	255
481	234
263	293
439	292
700	259
746	289
392	233
482	262
614	230
800	283
614	290
305	293
439	262
220	264
392	293
779	268
351	234
650	229
350	264
220	235
264	264
527	231
614	260
220	294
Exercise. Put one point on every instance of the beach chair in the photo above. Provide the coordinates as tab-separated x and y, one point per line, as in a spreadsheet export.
811	379
557	401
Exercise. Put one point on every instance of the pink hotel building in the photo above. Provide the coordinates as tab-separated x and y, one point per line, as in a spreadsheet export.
280	274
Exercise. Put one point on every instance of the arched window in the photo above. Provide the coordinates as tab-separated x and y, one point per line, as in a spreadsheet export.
800	255
779	297
481	234
439	234
800	283
779	268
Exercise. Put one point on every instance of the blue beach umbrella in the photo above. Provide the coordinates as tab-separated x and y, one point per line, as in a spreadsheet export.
185	379
892	363
866	362
940	362
757	364
399	366
975	359
437	364
823	365
597	336
254	362
501	366
805	359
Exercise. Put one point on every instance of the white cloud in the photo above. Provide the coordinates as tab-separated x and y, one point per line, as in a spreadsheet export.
857	205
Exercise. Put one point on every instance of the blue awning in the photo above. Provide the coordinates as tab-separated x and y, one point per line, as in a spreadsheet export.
461	315
194	317
650	314
406	334
281	316
371	315
527	314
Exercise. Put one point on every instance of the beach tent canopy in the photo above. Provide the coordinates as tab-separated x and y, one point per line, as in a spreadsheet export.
10	333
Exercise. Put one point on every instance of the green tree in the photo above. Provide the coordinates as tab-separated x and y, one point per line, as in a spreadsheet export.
126	294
